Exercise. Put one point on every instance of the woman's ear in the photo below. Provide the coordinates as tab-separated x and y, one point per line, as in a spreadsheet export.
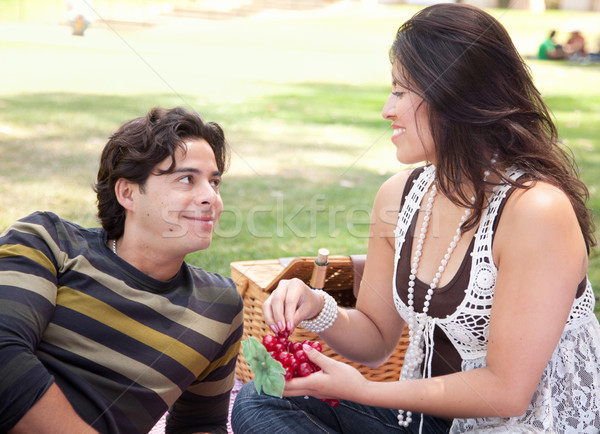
125	191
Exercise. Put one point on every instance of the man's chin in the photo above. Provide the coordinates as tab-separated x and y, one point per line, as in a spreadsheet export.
202	243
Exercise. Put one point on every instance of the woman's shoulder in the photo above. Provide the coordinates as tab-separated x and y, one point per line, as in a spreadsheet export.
540	213
540	200
393	187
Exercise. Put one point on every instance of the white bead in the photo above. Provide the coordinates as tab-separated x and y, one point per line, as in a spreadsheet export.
415	356
326	317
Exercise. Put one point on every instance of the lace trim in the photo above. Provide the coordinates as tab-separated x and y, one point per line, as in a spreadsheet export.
467	327
567	400
412	202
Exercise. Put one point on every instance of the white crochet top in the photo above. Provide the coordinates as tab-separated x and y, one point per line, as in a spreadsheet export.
567	399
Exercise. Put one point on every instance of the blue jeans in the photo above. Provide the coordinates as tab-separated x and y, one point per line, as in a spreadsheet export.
264	414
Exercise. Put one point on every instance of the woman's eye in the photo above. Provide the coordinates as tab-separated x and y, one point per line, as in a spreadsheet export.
398	94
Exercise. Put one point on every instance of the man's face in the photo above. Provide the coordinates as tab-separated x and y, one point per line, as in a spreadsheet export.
180	210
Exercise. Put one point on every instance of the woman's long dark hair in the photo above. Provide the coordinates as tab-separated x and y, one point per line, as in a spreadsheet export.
482	105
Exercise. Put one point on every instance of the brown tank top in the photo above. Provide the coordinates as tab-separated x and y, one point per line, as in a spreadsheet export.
447	298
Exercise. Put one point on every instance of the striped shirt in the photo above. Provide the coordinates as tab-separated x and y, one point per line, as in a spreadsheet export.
122	346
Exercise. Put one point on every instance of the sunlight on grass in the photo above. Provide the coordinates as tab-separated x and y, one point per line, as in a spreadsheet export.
298	95
72	202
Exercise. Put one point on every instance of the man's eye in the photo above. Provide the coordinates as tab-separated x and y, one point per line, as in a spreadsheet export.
398	94
215	183
186	179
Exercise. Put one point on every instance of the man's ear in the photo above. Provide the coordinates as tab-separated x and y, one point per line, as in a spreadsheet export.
125	191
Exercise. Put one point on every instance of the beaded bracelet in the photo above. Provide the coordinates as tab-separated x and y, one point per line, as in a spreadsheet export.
326	317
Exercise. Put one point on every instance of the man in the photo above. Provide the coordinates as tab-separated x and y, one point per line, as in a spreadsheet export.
103	330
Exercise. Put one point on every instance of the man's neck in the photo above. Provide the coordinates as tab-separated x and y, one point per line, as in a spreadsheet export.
153	262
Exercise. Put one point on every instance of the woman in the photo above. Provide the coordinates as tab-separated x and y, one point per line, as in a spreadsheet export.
494	286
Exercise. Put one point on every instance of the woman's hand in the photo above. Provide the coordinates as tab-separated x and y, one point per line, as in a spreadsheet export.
291	302
335	380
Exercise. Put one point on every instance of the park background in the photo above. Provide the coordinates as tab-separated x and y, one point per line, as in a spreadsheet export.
298	91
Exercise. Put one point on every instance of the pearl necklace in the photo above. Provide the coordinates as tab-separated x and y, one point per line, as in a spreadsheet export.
115	247
414	355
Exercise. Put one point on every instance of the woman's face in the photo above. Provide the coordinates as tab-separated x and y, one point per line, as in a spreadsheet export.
410	123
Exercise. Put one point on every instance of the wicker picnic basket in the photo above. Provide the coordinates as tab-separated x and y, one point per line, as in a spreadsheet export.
256	279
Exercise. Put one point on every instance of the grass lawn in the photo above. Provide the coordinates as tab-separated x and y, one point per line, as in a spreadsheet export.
299	96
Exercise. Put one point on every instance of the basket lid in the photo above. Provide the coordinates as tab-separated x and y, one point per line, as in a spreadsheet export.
339	272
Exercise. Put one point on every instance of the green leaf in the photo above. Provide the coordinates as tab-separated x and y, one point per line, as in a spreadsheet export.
268	372
273	366
273	385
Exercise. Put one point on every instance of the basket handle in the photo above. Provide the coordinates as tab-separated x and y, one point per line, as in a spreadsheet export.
242	286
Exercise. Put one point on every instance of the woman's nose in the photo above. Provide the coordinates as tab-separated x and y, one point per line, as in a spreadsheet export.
389	108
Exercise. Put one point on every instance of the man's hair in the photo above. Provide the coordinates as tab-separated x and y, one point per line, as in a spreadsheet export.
138	146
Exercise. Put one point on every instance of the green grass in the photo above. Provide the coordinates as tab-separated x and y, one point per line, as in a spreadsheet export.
299	98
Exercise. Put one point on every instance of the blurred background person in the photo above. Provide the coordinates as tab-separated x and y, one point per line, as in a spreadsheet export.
575	46
549	49
80	14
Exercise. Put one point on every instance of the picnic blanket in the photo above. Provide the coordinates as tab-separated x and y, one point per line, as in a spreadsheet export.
159	428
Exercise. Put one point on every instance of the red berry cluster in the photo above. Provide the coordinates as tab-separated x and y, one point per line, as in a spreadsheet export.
293	358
